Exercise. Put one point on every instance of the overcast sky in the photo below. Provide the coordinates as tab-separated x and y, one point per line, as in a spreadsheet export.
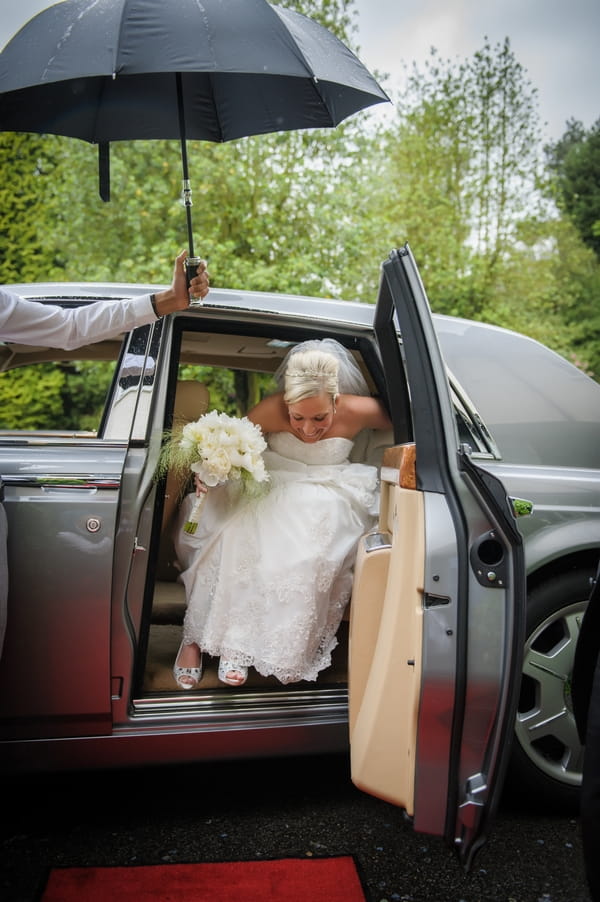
555	41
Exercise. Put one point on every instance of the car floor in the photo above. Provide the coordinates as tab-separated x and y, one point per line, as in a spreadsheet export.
165	637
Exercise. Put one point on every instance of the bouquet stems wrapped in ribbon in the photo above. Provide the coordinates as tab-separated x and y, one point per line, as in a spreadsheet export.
191	524
218	448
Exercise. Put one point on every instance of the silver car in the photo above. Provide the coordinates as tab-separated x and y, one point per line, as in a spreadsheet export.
425	688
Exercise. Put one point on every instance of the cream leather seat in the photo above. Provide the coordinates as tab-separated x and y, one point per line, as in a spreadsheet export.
370	445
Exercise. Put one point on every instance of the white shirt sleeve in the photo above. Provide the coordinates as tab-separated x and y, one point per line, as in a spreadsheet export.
50	326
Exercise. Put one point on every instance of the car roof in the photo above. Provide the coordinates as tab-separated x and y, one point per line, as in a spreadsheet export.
305	306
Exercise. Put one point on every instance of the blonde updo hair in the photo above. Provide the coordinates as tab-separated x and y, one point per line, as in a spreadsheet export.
310	373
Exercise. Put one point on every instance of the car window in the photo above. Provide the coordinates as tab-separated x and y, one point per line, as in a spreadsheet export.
90	392
232	391
237	370
127	414
59	395
466	432
470	427
540	409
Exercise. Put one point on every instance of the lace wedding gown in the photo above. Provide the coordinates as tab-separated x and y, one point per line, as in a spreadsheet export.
267	579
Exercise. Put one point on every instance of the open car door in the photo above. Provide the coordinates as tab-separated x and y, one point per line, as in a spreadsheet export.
437	615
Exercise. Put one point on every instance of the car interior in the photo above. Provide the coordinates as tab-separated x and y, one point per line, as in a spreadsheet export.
243	357
214	369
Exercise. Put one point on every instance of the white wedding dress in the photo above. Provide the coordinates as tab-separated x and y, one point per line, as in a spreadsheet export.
267	578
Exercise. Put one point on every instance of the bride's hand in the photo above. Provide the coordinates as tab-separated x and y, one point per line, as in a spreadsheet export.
200	486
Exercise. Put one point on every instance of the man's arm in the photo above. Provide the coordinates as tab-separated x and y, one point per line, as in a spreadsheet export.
47	325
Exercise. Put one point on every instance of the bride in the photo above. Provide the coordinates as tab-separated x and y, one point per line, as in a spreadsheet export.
267	579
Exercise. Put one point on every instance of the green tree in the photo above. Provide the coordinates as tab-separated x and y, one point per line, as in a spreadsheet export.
462	180
25	164
576	271
70	395
462	164
426	166
574	162
272	212
31	398
336	15
116	241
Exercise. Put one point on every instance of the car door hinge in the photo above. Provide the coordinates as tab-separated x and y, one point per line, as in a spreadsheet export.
476	791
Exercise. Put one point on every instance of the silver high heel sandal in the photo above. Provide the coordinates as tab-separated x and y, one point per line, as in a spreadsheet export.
226	667
187	677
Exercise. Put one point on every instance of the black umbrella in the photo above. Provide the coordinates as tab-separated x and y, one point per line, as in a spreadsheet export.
215	70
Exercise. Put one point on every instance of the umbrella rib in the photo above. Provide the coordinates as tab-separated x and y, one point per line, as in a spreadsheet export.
118	41
314	79
215	108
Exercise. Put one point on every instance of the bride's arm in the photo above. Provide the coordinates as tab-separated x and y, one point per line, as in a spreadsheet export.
270	414
365	411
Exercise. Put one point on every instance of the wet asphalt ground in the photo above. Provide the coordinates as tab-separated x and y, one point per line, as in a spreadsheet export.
269	809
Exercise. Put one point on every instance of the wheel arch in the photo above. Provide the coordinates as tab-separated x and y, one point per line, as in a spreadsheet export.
585	558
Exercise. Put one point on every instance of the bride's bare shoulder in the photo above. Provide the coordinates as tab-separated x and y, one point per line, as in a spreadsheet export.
364	411
269	413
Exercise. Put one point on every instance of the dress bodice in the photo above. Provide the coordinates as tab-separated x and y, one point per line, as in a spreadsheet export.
326	451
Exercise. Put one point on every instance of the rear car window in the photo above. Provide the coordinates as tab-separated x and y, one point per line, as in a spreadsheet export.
540	409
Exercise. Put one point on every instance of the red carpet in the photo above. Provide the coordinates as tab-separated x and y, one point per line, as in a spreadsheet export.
283	880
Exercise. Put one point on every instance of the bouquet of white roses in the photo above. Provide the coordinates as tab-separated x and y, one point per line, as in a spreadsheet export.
218	448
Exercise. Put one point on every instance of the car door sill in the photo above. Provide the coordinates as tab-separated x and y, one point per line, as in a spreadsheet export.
237	707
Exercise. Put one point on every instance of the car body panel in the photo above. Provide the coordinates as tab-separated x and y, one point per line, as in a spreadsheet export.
62	522
566	506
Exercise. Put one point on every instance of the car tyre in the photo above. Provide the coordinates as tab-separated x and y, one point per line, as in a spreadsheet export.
547	757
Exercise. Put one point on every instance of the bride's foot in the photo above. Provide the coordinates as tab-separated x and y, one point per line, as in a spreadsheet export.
188	666
231	673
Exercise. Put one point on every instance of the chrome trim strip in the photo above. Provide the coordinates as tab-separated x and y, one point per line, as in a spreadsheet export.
64	481
13	438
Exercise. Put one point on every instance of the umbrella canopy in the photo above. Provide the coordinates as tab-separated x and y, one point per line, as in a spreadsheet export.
216	70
